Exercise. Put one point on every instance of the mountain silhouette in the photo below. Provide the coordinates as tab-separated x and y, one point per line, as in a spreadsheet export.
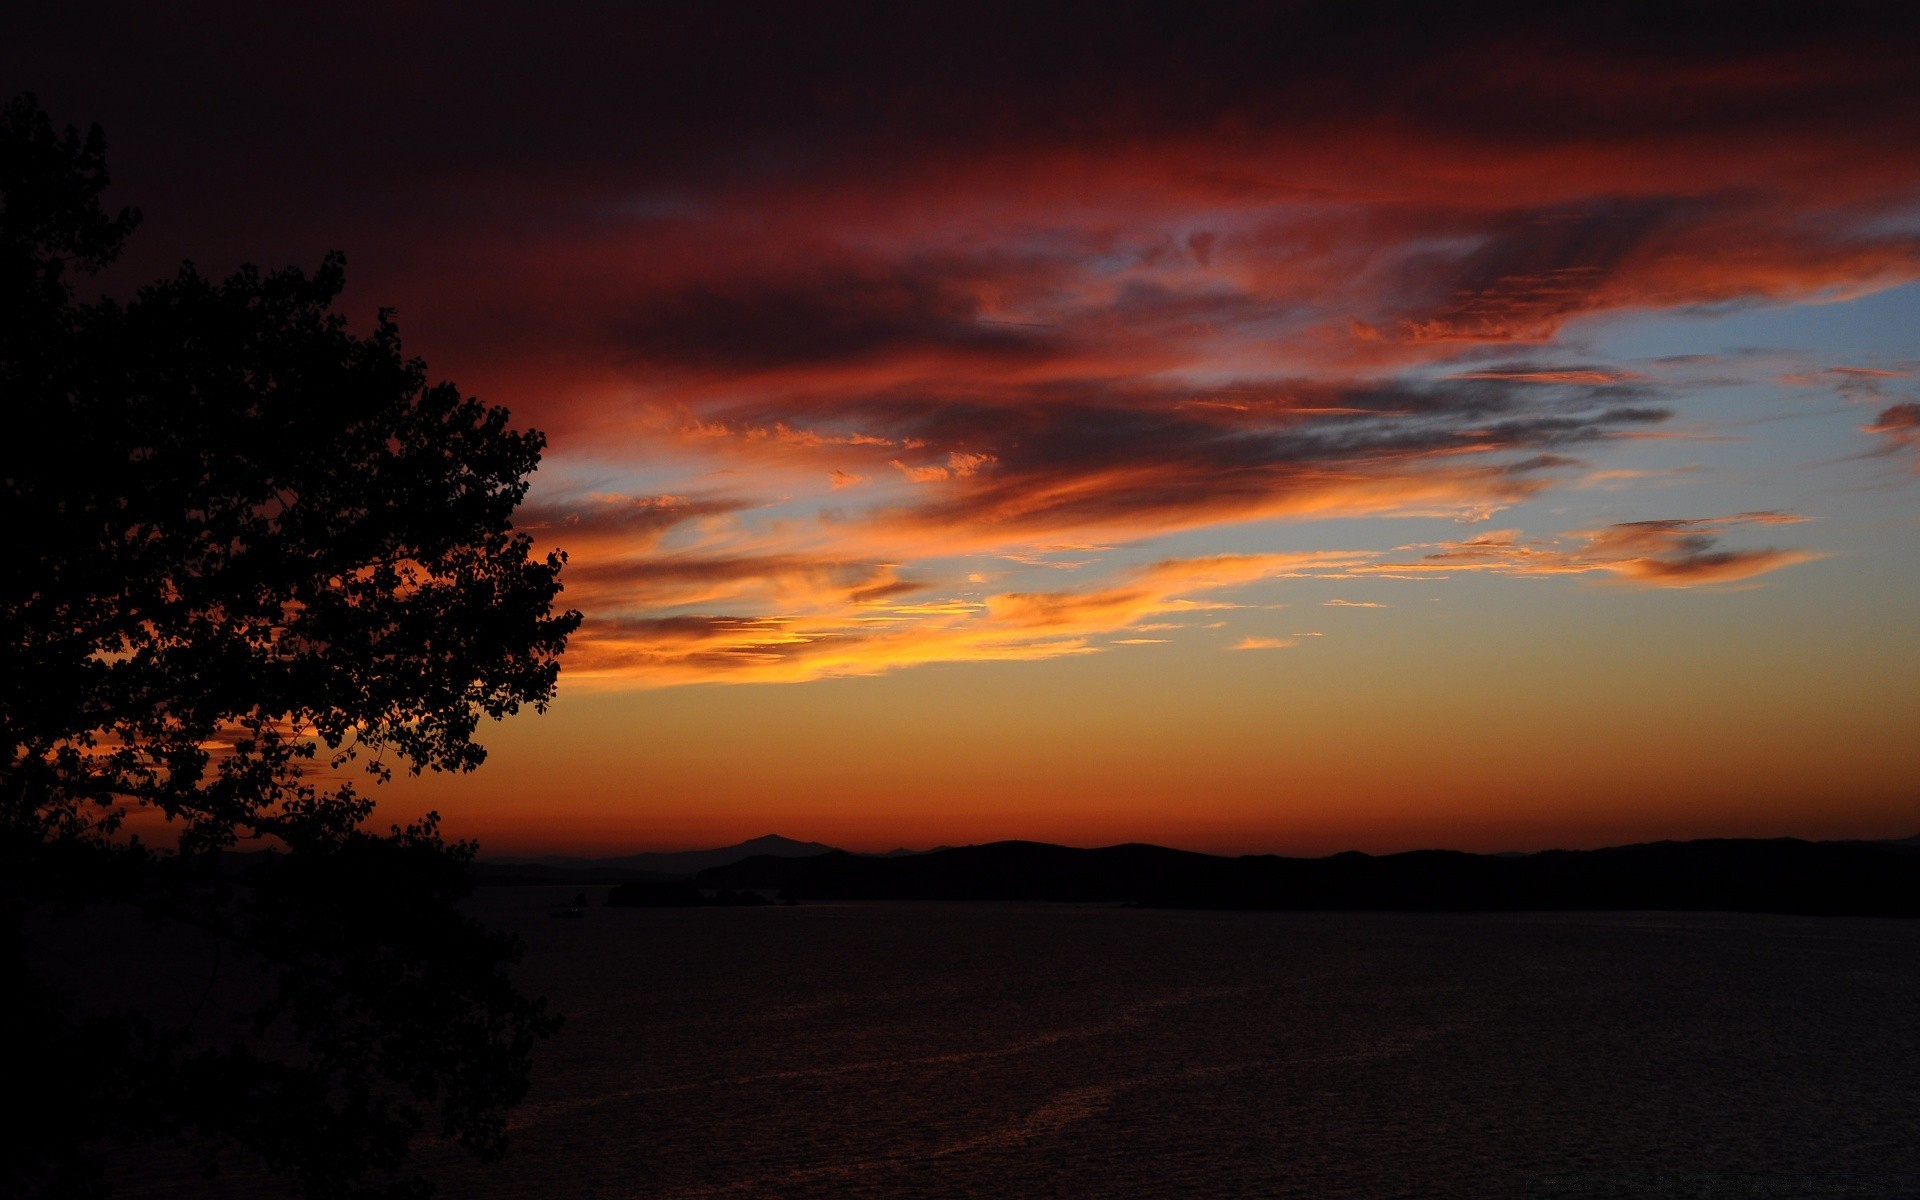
1780	875
657	867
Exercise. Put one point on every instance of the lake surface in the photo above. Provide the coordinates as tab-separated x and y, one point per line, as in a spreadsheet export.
1035	1050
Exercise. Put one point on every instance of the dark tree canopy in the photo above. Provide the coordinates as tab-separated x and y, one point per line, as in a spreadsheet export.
250	556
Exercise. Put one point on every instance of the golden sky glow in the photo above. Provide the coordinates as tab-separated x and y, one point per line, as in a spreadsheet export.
1239	431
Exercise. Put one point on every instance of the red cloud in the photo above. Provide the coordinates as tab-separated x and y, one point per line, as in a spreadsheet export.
1029	280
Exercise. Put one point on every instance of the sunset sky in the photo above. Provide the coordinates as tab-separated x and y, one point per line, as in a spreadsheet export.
1248	428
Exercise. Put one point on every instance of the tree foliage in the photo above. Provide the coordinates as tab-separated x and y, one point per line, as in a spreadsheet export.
250	555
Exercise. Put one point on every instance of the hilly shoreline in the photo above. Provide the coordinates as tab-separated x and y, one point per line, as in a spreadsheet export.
1781	875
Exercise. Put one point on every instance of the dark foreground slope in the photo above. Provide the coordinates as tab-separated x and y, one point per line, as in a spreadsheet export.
1782	875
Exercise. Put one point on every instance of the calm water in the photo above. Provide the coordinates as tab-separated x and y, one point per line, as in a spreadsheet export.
1026	1051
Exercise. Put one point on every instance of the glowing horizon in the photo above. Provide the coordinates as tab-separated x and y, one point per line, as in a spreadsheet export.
1209	433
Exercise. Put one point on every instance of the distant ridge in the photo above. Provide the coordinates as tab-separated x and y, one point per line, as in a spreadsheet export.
660	866
1781	875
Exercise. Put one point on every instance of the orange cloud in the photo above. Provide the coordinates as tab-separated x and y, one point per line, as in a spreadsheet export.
1201	277
1598	376
603	523
801	618
855	634
1663	553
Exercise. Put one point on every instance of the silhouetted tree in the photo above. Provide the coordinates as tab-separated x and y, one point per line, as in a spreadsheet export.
246	553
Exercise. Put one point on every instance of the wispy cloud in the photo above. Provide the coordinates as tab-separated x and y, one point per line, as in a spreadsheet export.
1898	428
1662	553
805	619
876	362
839	630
